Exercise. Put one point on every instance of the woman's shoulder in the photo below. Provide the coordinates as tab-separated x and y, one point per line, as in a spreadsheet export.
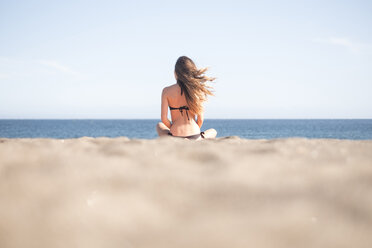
170	88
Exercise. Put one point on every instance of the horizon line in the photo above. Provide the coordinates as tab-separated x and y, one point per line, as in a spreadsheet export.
204	119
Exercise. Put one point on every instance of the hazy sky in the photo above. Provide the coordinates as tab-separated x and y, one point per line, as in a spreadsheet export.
111	59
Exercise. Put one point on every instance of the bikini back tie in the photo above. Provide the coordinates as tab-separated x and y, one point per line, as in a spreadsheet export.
181	109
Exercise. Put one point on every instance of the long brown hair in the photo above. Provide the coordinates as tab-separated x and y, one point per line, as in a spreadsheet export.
193	83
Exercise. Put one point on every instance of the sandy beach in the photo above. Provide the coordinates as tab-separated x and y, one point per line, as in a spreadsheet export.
169	192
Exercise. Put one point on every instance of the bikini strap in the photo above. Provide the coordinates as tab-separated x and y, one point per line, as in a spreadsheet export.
181	110
184	108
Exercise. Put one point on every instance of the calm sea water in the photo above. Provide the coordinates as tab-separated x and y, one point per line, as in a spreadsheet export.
145	129
250	129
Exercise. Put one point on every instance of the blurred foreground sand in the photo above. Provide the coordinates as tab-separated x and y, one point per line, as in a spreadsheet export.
169	192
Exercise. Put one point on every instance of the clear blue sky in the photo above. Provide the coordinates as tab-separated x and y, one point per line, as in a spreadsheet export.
111	59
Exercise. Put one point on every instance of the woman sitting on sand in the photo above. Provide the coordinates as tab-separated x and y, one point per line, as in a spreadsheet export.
184	100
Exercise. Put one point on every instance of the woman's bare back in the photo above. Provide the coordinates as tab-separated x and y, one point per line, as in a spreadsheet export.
183	121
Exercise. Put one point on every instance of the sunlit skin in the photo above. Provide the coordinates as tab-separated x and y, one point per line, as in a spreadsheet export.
180	125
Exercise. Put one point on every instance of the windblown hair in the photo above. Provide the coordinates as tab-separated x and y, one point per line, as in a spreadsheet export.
193	83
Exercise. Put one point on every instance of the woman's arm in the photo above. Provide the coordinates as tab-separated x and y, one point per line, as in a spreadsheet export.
200	120
164	109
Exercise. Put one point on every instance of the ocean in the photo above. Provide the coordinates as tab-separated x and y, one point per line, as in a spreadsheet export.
356	129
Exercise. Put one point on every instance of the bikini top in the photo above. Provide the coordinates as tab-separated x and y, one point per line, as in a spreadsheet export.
181	110
182	107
